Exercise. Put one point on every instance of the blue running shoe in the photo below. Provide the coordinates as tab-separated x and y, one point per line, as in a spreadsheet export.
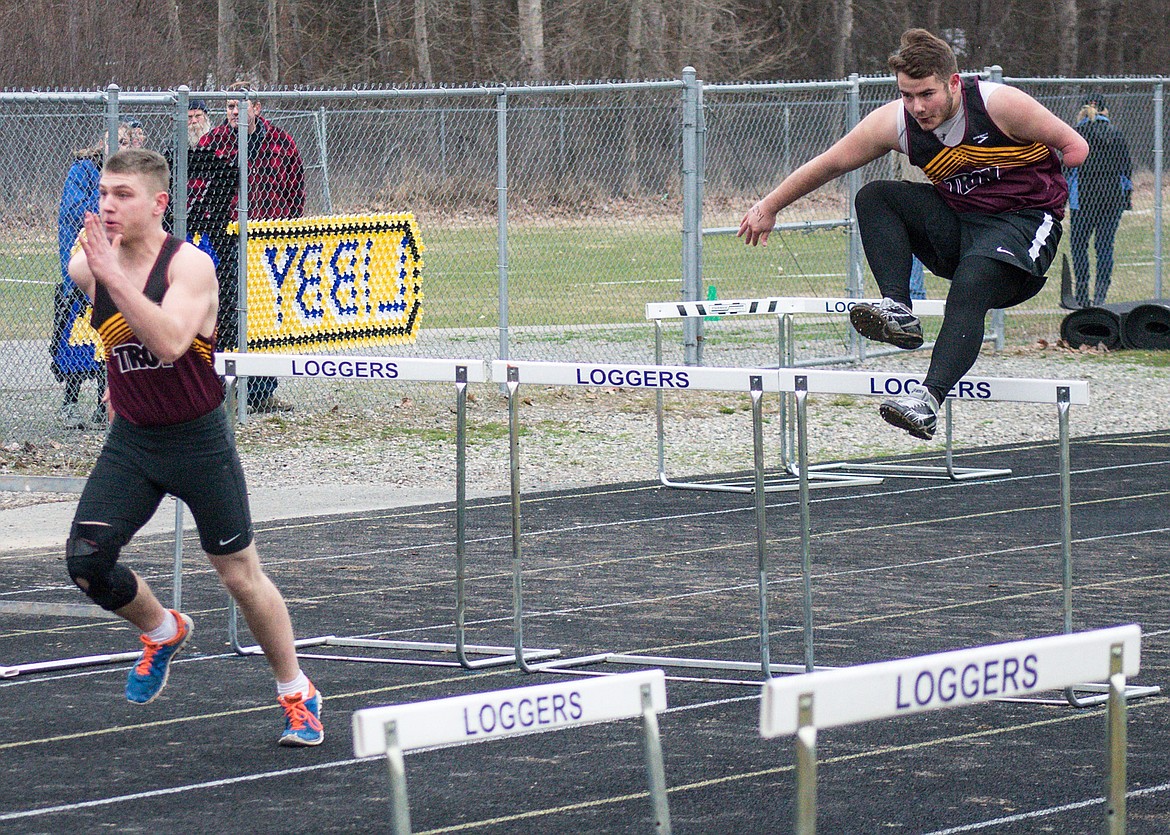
149	675
302	719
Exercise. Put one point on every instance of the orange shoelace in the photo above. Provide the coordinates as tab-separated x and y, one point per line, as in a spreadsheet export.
151	649
298	714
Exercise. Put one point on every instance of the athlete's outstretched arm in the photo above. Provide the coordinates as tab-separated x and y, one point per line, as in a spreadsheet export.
873	136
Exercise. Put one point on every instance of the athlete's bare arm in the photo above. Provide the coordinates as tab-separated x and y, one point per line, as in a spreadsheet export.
1026	120
873	136
188	307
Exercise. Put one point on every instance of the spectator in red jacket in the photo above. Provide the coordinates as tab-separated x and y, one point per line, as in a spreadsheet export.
276	189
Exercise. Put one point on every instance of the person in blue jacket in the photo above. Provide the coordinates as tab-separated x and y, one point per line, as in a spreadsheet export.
72	359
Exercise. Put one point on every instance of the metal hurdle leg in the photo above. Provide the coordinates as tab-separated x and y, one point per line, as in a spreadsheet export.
655	768
787	482
396	764
496	655
1100	693
76	485
946	472
764	665
805	741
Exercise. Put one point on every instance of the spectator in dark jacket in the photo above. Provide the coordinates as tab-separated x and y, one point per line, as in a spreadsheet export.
276	189
1099	191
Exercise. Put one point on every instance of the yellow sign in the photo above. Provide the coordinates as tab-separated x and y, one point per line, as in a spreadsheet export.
82	334
333	282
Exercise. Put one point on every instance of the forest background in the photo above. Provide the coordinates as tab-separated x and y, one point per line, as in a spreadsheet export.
87	44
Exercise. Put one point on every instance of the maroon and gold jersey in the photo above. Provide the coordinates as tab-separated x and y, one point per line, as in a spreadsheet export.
987	171
144	390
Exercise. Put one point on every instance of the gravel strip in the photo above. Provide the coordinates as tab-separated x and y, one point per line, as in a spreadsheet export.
580	437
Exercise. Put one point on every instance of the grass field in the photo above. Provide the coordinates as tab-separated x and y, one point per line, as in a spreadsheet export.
28	274
563	274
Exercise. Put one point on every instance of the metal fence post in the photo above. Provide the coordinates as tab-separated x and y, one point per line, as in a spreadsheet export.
242	249
692	211
1159	161
998	319
502	217
179	163
854	281
323	149
111	120
700	182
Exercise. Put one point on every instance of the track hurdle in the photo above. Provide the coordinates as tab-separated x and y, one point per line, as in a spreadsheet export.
395	729
680	378
60	484
1061	393
798	383
785	309
799	706
460	372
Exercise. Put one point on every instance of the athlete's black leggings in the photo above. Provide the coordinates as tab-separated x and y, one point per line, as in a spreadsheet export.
901	219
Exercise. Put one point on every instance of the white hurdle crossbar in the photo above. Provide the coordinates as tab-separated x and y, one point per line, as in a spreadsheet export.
785	309
755	382
76	485
459	720
459	372
801	705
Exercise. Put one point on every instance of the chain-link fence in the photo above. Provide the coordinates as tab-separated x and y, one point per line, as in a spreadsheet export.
550	216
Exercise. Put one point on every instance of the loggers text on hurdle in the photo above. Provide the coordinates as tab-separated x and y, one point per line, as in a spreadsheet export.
975	681
963	390
540	712
633	378
372	369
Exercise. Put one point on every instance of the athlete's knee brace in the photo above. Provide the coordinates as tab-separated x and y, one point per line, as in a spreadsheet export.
91	556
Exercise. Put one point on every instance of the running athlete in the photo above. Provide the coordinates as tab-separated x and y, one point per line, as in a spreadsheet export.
154	305
988	220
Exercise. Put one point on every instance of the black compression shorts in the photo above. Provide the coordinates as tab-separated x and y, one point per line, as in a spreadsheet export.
194	461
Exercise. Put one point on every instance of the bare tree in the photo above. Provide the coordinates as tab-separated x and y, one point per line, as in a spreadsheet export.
175	35
422	47
532	39
842	46
633	69
226	60
475	23
1102	44
273	44
1066	57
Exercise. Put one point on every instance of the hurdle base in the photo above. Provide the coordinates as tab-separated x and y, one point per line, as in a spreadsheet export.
498	656
910	471
774	484
573	666
1098	695
68	663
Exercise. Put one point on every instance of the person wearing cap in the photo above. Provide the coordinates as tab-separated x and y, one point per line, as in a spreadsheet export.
1099	191
198	121
276	190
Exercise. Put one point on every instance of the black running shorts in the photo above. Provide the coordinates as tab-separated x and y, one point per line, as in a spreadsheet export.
194	461
1026	239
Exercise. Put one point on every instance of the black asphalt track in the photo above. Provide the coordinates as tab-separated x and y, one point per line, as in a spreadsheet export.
904	568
